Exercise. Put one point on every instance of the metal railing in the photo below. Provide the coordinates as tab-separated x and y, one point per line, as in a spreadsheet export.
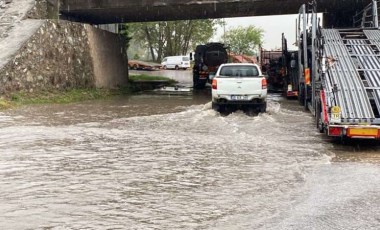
368	17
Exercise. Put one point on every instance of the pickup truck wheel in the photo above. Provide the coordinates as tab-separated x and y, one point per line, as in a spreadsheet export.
214	106
176	67
263	108
218	108
164	67
222	109
251	111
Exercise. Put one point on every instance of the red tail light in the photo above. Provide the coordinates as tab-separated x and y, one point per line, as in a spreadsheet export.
214	84
335	131
264	83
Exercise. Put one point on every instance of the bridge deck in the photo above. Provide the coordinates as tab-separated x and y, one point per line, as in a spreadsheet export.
116	11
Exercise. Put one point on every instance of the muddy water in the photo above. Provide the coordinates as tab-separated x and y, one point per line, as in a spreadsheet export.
170	162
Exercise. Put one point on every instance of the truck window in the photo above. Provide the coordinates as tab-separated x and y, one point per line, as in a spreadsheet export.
239	71
185	59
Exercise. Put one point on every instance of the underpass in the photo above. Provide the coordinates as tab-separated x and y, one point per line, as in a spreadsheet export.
152	161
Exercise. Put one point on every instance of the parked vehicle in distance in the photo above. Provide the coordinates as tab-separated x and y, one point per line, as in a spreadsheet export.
141	65
176	62
239	86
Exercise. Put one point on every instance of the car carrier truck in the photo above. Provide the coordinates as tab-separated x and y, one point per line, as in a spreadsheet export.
339	69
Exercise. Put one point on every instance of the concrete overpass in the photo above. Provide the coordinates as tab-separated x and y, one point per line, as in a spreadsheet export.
116	11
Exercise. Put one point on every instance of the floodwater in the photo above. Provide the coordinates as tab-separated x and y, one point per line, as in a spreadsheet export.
171	162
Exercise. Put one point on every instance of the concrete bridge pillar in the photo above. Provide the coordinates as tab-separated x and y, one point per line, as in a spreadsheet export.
53	9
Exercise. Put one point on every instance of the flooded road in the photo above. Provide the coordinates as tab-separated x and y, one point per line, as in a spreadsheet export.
171	162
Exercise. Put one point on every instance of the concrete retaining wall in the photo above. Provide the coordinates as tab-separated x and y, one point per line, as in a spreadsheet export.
62	55
109	58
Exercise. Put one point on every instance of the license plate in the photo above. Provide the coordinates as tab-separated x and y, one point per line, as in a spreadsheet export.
362	132
336	118
239	98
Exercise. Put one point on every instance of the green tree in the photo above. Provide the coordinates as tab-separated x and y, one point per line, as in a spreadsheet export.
125	33
174	37
244	40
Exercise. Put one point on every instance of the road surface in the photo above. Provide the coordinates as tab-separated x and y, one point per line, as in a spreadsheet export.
171	162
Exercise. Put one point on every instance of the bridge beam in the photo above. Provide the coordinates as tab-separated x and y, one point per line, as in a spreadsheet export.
116	11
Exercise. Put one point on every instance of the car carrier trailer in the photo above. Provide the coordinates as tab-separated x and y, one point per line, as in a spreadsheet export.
339	69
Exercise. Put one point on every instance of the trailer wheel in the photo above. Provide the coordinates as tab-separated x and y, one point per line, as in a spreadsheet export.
320	125
318	117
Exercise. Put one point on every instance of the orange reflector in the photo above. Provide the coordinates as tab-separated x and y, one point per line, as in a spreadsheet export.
214	84
335	131
307	76
362	132
264	83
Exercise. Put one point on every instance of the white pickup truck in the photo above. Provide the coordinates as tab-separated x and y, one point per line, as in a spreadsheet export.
239	86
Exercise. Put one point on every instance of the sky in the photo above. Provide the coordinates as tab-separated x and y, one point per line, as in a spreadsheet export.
273	27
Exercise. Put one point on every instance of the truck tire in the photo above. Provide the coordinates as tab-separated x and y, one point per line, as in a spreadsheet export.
176	67
318	118
301	94
320	125
197	84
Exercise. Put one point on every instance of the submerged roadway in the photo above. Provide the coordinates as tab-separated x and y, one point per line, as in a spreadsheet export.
152	161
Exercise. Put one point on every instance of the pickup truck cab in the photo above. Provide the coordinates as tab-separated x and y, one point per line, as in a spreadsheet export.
239	86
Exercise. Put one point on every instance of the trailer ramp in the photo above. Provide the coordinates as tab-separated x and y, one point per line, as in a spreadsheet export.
352	81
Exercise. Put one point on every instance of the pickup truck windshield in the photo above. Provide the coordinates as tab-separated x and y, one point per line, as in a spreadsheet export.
239	71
